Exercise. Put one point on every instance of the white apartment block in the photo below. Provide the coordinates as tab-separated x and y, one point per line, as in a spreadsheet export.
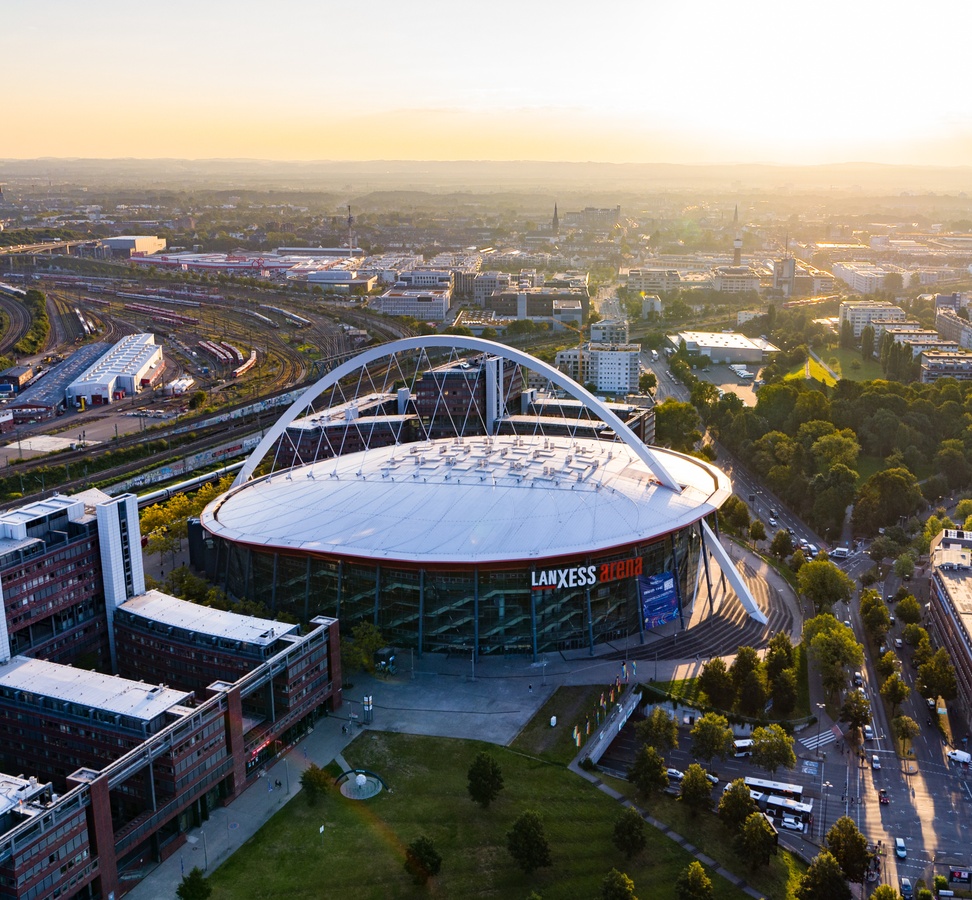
610	331
653	280
734	279
485	283
860	313
650	303
612	368
952	327
866	278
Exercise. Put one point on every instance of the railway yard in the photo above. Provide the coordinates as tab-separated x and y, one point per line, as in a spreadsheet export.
236	344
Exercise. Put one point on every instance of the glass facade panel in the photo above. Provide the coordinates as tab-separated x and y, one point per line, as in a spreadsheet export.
504	613
443	613
449	611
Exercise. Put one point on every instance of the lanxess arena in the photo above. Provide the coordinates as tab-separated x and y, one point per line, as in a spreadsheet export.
439	496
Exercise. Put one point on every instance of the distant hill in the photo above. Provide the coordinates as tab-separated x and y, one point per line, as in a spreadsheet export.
594	178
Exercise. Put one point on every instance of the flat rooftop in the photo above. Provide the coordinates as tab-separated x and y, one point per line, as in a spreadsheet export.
134	699
217	623
471	500
725	341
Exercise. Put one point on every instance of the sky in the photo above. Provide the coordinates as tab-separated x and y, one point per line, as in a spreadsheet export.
669	81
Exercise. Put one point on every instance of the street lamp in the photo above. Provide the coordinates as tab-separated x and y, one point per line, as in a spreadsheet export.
823	820
821	707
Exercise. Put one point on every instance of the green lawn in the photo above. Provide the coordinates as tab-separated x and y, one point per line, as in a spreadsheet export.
572	705
850	365
364	842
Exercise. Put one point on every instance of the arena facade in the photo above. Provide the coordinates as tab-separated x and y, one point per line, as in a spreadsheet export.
493	532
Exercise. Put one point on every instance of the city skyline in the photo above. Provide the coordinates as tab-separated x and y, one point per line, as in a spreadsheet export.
708	84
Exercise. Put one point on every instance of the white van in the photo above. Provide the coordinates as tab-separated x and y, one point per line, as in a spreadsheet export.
742	748
840	553
959	756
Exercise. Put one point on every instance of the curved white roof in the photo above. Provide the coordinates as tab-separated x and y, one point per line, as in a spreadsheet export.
477	500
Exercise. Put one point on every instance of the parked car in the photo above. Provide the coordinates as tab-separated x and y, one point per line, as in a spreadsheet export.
711	778
675	775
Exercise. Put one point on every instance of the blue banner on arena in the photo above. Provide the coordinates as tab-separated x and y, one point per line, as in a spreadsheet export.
659	599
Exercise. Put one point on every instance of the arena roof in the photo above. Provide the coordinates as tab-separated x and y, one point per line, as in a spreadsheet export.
471	500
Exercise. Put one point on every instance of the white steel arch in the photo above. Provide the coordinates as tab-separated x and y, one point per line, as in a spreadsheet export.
454	341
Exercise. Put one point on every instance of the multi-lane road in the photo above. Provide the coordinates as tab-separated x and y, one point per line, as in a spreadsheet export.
930	797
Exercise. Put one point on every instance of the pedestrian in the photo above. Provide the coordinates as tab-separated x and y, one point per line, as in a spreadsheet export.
530	688
278	784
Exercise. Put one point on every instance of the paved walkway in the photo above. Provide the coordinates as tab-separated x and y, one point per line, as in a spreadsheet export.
445	696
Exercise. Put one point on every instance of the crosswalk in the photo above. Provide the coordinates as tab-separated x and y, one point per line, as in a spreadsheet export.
816	741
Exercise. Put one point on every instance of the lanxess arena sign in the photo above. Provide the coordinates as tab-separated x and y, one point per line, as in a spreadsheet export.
584	576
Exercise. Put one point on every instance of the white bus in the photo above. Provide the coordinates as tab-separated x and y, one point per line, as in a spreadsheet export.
742	748
775	788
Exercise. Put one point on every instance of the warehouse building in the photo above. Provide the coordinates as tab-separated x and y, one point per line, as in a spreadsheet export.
133	364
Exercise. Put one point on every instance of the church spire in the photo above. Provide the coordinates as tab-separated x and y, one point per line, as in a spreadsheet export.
556	221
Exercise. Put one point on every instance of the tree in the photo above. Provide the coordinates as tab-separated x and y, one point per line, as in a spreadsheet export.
877	619
936	678
914	634
677	425
194	886
659	730
782	544
779	654
835	650
754	694
885	892
747	660
736	805
693	883
821	582
647	382
617	886
485	779
784	693
527	842
887	664
757	840
908	609
716	682
855	710
904	566
422	860
711	737
315	783
905	728
359	653
895	691
849	848
773	748
696	791
629	832
757	531
647	772
824	880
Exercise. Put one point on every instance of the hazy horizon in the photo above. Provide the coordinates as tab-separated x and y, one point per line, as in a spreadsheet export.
704	84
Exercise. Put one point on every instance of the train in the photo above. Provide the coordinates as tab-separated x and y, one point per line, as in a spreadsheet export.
168	493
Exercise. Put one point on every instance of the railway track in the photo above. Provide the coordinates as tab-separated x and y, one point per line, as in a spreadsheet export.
18	324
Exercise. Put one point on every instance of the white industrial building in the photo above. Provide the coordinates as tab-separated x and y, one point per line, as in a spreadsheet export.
133	363
134	245
724	347
425	304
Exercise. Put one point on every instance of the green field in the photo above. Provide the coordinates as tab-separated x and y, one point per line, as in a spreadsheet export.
851	365
364	842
